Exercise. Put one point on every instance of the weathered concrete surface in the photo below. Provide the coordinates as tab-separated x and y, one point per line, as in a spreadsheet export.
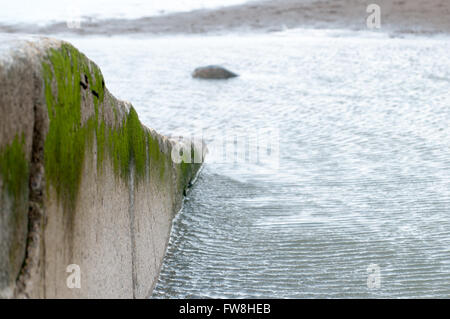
92	186
17	93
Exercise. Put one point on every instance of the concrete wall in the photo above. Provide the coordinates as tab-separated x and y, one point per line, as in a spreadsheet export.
82	181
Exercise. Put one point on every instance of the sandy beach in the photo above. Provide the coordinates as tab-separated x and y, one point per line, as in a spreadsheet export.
397	17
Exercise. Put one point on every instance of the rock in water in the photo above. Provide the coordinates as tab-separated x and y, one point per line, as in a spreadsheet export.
213	72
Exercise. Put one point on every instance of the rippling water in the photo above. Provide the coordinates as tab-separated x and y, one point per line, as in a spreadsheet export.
364	172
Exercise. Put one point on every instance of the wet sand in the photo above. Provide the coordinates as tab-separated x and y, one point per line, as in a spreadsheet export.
397	17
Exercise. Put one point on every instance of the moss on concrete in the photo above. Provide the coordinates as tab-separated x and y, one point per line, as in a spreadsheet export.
156	159
186	168
127	143
69	138
14	170
14	173
65	144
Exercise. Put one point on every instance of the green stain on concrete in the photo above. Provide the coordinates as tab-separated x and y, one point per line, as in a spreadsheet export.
136	136
69	137
14	170
65	144
14	173
127	143
156	159
186	168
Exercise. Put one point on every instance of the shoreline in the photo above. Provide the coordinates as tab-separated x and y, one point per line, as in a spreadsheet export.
397	17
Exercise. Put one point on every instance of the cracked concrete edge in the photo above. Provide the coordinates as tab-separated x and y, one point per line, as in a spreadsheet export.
19	102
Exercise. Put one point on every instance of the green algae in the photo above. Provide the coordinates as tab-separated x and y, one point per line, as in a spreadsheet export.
14	173
65	144
126	142
14	170
136	136
156	159
186	167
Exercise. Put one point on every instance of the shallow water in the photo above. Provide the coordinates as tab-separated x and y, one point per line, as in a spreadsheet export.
364	171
